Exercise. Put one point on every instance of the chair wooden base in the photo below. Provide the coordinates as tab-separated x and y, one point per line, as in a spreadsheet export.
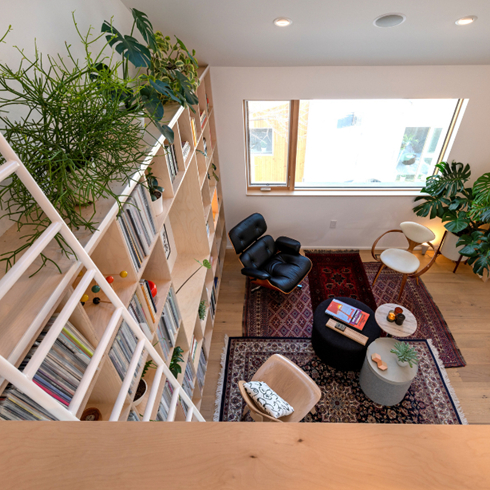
404	280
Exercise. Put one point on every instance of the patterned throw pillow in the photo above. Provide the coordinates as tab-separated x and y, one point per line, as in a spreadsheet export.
268	399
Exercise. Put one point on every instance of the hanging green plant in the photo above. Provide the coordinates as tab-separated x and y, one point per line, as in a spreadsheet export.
79	133
177	358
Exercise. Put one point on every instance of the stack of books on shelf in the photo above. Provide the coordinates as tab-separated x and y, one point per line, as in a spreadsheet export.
133	417
166	336
150	303
203	118
188	381
171	313
122	351
201	369
164	405
194	133
186	149
213	302
137	311
59	374
171	159
137	225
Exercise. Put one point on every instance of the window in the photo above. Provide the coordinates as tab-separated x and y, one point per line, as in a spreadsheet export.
384	143
268	141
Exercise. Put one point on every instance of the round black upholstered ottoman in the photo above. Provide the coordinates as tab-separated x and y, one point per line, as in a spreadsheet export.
335	349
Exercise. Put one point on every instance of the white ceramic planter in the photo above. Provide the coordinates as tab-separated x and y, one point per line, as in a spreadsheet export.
157	206
402	364
139	400
449	249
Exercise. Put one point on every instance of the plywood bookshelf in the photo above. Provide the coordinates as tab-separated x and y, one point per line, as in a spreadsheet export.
194	225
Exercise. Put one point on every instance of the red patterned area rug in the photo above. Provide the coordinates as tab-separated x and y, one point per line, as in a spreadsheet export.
430	322
430	399
269	313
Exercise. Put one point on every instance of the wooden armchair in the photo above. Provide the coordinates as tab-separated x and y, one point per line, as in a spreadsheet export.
404	261
290	382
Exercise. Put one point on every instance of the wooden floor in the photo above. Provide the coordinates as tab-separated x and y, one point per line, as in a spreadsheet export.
463	299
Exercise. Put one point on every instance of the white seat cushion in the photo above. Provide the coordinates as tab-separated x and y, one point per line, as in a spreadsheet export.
268	399
400	260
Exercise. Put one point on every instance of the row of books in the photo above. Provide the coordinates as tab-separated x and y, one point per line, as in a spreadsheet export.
188	381
133	417
193	130
171	159
122	351
203	118
150	302
137	224
186	149
164	405
137	311
201	369
168	325
213	302
59	374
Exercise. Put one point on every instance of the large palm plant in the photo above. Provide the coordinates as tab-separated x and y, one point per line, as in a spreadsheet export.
464	210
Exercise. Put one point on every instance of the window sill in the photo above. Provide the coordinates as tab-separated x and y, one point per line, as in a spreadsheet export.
337	192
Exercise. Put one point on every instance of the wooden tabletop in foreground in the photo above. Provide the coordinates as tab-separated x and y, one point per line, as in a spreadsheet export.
111	455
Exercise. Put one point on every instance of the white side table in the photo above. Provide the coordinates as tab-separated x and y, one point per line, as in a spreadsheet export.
385	387
407	328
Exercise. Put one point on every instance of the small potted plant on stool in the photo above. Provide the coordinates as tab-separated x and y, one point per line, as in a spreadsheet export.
406	355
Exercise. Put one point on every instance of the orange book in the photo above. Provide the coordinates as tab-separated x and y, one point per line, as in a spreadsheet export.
354	317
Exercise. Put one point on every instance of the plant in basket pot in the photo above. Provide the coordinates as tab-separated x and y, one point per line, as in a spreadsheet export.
464	210
156	192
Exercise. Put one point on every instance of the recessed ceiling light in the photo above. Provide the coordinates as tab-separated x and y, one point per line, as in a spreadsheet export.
464	21
282	22
389	20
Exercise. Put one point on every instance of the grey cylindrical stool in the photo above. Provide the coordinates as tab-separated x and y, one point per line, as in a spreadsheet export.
385	387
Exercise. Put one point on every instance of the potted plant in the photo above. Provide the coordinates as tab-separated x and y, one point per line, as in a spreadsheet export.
143	385
406	355
166	72
75	131
175	361
156	192
464	210
202	310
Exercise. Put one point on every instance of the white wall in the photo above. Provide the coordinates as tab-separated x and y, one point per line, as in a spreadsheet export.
359	219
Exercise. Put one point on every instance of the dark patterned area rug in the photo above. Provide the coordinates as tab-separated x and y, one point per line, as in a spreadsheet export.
269	313
430	399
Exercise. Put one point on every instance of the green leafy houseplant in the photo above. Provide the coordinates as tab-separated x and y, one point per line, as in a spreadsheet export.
177	358
169	71
156	191
405	353
76	134
202	310
464	210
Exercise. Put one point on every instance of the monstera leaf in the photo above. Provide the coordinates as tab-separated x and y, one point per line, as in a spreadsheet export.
477	249
164	89
127	46
146	29
449	181
481	205
186	89
457	222
432	206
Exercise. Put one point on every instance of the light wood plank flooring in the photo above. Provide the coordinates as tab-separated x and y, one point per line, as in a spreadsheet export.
463	299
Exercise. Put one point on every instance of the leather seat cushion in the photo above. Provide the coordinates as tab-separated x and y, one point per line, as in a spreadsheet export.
400	260
259	253
287	270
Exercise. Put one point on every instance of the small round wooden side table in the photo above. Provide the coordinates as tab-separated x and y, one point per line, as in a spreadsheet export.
407	328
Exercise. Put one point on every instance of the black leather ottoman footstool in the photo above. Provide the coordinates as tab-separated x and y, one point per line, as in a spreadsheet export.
335	349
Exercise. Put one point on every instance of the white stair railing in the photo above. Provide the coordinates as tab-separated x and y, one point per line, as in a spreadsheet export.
23	380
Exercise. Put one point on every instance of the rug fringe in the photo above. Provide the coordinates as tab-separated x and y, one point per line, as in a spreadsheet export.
446	380
221	379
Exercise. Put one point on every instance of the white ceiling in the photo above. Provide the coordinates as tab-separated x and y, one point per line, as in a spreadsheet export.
324	32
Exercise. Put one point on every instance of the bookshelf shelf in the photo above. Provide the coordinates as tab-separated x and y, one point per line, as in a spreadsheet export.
176	239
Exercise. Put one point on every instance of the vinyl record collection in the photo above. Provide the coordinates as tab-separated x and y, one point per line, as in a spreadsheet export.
59	374
171	159
137	225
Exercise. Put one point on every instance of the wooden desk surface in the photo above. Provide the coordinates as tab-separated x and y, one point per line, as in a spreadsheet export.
104	455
